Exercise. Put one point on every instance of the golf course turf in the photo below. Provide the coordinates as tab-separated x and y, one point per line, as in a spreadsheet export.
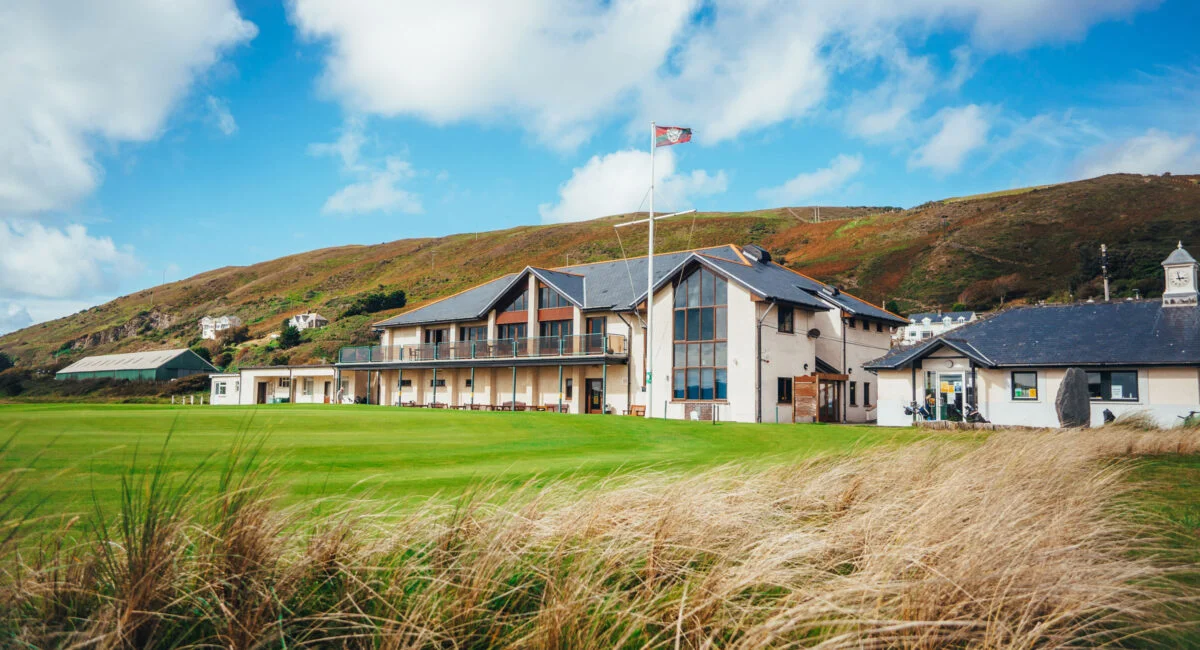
77	450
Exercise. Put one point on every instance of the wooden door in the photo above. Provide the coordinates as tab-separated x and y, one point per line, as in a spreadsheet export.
829	404
595	335
595	396
262	393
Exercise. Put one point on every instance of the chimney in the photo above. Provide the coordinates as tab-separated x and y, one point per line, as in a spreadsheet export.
756	253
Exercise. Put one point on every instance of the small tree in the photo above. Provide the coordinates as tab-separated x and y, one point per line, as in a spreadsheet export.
235	335
6	362
289	336
202	352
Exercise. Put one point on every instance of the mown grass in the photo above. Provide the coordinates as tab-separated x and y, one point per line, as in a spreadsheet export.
1025	539
387	452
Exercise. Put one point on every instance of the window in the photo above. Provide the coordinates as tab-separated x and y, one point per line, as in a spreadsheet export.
405	383
441	383
549	298
437	336
700	350
1024	385
510	331
853	393
878	327
219	388
786	320
570	387
851	323
474	333
307	386
785	390
556	328
467	383
1113	386
866	393
519	302
285	382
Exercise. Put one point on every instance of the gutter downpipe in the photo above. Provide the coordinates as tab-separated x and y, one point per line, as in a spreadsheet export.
845	371
758	363
914	390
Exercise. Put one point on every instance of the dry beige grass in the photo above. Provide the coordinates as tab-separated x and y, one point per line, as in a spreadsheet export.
1016	541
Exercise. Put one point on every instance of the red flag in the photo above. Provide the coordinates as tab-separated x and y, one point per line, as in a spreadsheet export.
665	136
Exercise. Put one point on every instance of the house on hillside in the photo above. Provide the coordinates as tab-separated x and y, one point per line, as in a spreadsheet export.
1139	356
308	321
737	337
924	326
211	328
159	365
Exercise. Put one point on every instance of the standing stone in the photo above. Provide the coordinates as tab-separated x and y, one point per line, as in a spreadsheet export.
1073	403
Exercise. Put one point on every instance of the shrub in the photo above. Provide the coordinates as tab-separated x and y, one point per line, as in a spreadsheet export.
235	335
11	382
223	360
280	359
6	362
376	301
202	352
289	336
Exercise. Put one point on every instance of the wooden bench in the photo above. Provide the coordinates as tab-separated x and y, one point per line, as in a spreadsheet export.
636	411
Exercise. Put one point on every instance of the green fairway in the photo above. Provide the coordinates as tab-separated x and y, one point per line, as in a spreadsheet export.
387	452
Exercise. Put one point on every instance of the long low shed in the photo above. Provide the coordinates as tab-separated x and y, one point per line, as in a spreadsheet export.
158	365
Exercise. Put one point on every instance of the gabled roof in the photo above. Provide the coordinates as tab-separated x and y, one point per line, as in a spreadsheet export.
1141	333
621	285
129	361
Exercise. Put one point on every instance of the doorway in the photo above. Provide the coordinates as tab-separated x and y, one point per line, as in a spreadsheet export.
326	392
595	335
595	396
829	401
944	395
262	393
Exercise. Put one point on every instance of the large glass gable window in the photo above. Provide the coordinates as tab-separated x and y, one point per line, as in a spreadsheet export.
519	302
549	298
700	337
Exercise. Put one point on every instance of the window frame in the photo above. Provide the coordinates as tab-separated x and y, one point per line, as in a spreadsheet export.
285	382
472	333
220	389
784	390
1012	380
1106	386
441	382
852	393
700	331
785	314
866	393
511	303
549	298
568	388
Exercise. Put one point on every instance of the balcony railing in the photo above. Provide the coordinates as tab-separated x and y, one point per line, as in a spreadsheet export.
579	345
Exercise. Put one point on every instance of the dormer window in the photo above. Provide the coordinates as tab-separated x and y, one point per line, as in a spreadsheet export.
519	302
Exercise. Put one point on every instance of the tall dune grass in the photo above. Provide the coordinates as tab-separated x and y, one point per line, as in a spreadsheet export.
1018	541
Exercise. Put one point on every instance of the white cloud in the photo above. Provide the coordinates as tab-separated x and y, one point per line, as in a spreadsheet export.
48	262
377	188
809	184
379	191
562	68
617	183
963	130
219	115
1154	152
80	73
13	317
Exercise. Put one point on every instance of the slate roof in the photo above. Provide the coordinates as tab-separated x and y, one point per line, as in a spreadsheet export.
937	318
621	284
127	361
1131	333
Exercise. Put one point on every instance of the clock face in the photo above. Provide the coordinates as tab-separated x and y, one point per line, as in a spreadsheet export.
1179	279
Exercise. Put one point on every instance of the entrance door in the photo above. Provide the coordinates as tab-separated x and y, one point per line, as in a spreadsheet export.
326	392
595	335
595	396
262	393
950	397
829	403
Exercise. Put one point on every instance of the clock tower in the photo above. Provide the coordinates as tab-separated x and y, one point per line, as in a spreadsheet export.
1181	271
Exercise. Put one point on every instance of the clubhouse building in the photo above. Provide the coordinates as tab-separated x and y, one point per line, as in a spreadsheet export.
737	337
1138	355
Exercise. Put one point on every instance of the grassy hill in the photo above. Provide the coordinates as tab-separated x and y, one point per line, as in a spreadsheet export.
1015	245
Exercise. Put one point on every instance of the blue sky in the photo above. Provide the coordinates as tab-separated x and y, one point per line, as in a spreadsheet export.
143	140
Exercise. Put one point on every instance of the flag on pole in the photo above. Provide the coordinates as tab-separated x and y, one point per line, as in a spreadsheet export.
665	136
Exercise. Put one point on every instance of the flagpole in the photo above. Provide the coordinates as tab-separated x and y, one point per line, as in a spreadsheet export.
649	291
